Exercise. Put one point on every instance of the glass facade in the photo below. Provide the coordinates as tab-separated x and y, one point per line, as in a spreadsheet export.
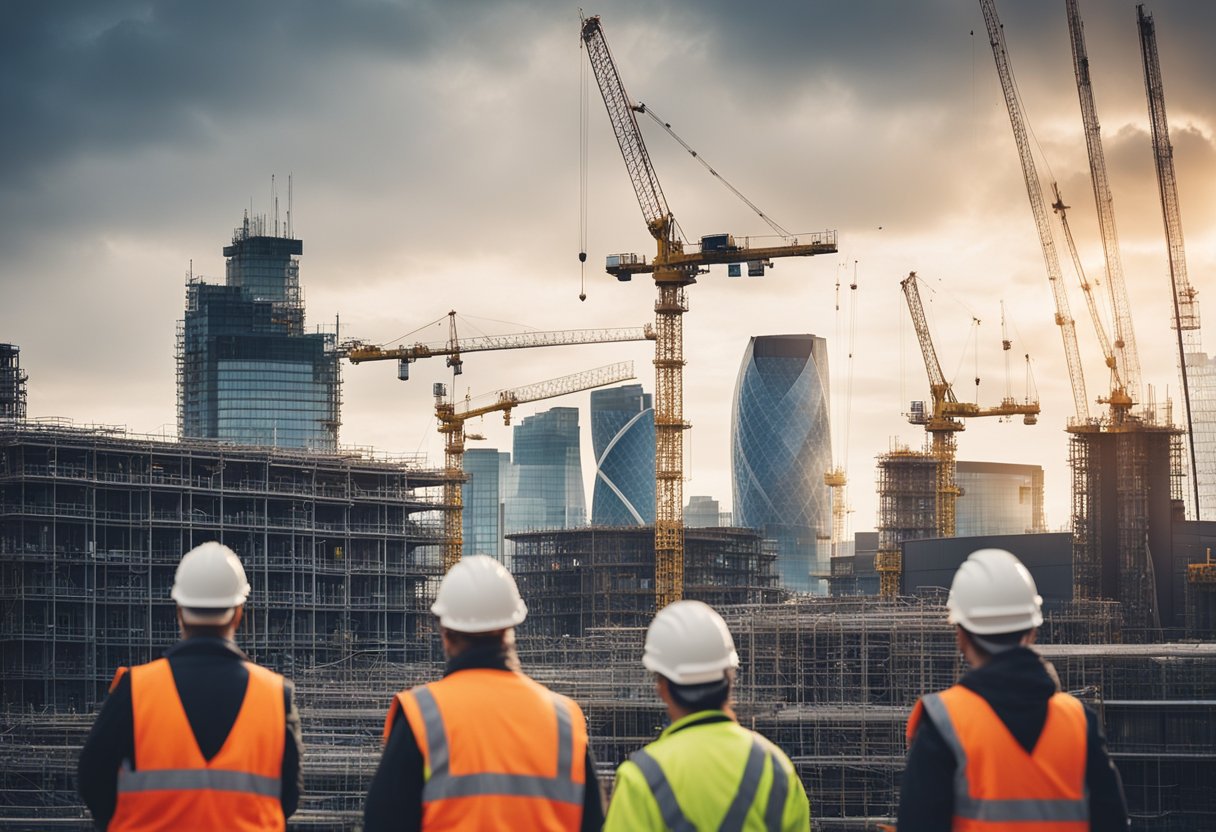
998	498
481	503
247	371
548	473
702	513
622	434
780	449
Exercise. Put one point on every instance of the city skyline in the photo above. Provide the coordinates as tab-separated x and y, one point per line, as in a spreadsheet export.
132	148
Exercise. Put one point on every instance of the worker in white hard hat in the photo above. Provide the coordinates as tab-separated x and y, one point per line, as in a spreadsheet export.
705	771
202	738
1004	748
485	747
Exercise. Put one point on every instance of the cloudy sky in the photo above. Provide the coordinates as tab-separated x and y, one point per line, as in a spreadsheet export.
434	148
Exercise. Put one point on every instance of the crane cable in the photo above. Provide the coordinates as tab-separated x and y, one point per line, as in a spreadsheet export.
642	108
582	213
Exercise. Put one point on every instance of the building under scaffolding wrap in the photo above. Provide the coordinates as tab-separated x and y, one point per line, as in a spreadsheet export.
907	510
600	576
1127	490
831	681
339	549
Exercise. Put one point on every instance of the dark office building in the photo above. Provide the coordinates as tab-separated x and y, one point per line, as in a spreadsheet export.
247	371
929	565
622	434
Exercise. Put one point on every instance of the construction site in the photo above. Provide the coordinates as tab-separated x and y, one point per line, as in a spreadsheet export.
345	548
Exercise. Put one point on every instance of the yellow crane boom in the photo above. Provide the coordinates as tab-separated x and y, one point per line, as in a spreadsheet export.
358	352
673	270
451	427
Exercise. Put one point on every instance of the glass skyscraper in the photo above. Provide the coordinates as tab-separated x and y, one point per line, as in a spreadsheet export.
247	371
481	502
780	449
622	434
548	473
998	498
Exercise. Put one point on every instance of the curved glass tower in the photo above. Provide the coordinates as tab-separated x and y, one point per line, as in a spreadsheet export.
780	450
622	434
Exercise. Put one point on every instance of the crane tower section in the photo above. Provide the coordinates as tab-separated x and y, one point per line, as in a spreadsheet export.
673	270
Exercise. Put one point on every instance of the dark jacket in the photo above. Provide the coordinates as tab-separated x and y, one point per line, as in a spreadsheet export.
394	800
211	678
1017	685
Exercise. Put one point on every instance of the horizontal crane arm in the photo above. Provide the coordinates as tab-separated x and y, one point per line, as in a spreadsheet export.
367	352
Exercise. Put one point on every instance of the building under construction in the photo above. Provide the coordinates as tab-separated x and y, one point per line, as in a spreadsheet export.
829	680
340	549
12	383
907	509
603	576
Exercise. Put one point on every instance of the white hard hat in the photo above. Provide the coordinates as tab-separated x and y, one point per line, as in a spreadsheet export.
210	576
994	593
478	595
689	644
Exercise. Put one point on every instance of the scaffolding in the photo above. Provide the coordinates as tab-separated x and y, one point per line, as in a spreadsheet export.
908	494
599	576
830	681
341	551
1127	489
12	383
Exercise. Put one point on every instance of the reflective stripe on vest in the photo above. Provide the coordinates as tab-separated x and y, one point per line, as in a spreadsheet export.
442	784
745	795
996	811
190	779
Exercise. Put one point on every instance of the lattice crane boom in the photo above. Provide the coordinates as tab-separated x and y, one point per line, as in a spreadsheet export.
673	270
1127	355
454	347
451	426
1063	317
1186	302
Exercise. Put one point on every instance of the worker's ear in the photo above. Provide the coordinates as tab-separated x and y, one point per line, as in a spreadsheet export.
660	686
237	616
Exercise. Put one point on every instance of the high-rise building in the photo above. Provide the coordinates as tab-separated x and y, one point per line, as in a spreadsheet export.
780	449
480	495
548	492
12	383
998	498
702	513
248	373
622	434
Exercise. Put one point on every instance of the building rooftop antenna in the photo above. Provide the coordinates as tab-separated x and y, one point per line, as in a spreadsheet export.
289	234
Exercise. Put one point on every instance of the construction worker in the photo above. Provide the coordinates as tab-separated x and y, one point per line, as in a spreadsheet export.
485	747
1004	748
202	738
705	771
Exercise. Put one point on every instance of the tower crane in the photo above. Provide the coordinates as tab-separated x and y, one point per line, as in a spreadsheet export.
673	269
837	477
358	352
451	427
1063	317
1126	354
943	421
1186	302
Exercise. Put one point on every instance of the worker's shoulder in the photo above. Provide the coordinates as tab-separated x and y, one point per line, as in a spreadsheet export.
773	749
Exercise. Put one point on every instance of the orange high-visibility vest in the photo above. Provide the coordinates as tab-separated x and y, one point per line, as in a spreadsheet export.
499	751
998	784
175	787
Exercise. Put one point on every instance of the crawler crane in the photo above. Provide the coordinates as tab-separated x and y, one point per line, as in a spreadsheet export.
674	268
451	426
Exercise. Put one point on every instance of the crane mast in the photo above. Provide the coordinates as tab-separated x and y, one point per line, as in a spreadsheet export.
1186	303
1127	356
451	427
1063	317
673	271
